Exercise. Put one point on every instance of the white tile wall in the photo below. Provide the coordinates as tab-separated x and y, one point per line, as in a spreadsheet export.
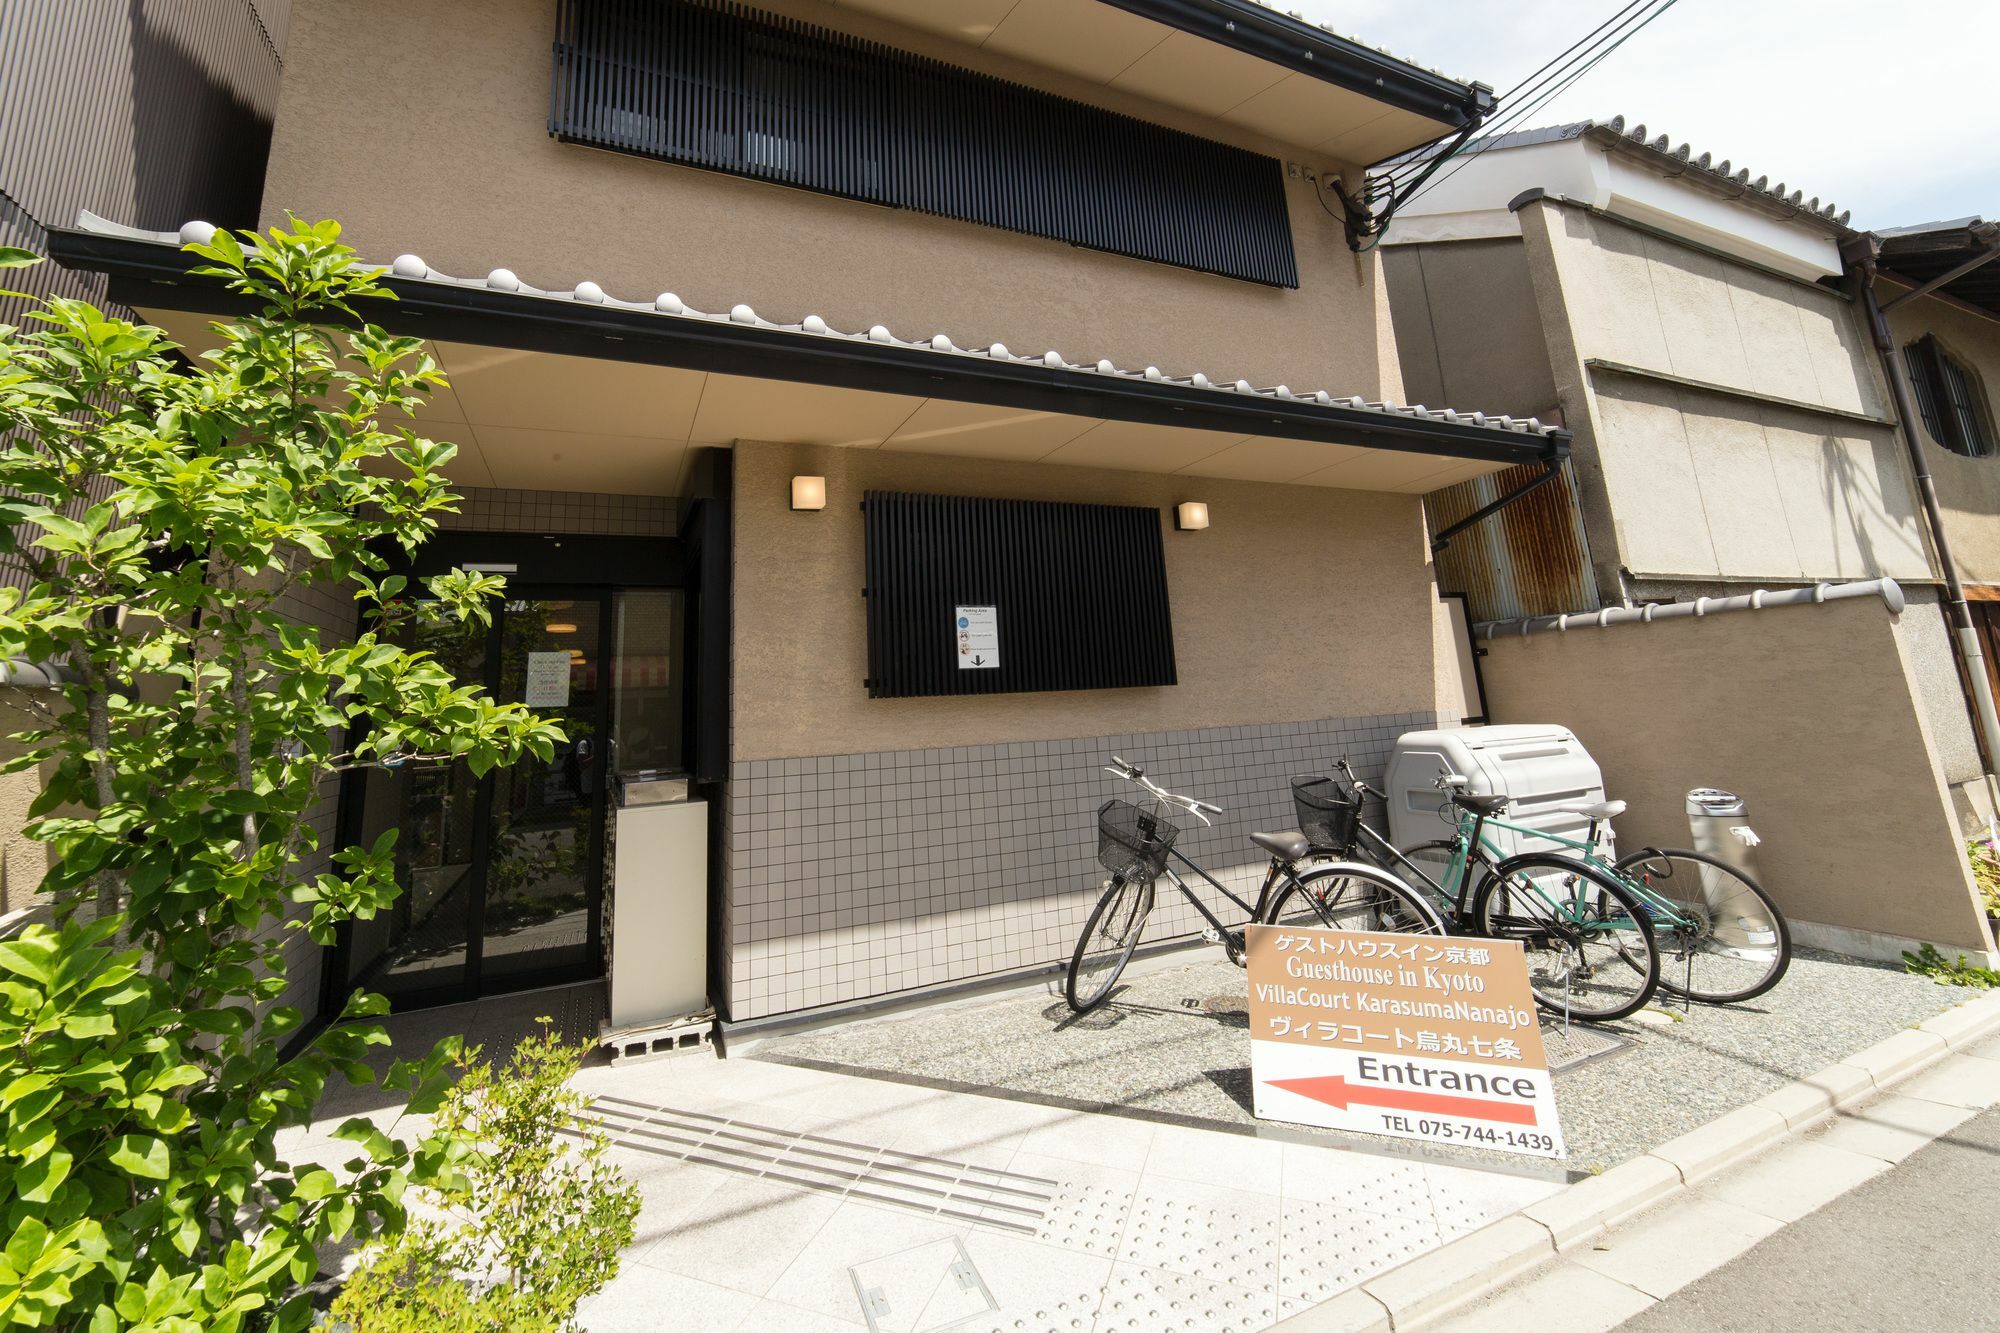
862	874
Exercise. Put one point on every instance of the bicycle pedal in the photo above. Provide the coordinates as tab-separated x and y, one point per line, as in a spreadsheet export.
1211	934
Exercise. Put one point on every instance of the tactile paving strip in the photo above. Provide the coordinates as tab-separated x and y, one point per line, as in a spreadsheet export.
1089	1219
1328	1248
1001	1200
1147	1300
1230	1238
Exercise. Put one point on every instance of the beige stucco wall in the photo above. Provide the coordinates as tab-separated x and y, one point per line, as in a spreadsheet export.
1968	488
1296	603
423	128
1679	481
1467	328
1810	713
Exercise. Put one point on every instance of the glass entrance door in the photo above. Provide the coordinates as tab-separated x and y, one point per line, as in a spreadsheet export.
502	875
544	864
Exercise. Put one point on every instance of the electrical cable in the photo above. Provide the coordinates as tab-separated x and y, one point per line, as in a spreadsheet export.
1406	170
1541	86
1548	93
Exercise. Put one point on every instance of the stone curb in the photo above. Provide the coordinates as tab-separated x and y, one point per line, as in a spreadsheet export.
1448	1279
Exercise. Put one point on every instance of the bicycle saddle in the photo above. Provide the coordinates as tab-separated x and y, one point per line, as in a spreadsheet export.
1479	805
1286	846
1590	809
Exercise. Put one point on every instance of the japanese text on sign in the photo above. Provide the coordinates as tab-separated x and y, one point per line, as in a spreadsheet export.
1416	1036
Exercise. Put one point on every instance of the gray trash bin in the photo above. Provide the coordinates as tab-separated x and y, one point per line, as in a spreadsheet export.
1720	823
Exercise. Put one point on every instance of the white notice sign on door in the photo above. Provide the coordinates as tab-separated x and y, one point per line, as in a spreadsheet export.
977	629
548	680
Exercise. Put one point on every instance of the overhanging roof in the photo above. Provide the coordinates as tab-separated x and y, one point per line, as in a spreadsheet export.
1931	250
1237	60
150	272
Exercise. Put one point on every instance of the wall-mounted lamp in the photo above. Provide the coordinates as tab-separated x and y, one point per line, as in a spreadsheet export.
808	492
1191	516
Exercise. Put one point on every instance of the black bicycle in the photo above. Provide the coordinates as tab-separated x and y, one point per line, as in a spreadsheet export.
1136	844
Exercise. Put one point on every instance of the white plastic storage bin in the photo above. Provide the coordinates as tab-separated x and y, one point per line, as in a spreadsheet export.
1537	766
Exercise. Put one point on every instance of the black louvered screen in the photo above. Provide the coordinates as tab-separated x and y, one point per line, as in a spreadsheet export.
708	84
1079	594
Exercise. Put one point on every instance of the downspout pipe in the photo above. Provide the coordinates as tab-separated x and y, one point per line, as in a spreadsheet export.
1971	656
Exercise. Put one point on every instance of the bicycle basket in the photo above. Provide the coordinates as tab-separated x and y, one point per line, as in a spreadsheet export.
1328	813
1129	838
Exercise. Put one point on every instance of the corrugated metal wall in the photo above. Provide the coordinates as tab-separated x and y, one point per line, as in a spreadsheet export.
1530	559
148	112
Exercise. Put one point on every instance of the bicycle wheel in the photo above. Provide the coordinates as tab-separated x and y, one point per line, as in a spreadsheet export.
1108	938
1346	895
1731	942
1589	942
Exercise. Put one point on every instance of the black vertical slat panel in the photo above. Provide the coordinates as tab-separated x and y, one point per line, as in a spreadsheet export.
1080	592
710	83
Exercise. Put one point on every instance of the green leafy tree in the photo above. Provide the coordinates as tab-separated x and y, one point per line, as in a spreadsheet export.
527	1222
162	517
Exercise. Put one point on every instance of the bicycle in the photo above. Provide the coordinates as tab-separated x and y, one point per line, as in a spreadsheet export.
1137	846
1705	913
1576	922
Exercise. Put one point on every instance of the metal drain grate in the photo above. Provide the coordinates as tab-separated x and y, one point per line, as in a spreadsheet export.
1577	1044
1002	1200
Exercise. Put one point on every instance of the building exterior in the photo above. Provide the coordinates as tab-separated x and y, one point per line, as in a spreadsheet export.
789	340
1941	293
150	112
1700	334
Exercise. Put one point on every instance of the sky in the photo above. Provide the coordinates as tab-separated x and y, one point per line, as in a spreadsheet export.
1887	109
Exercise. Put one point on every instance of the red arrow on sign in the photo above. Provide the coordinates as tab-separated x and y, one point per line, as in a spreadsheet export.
1336	1091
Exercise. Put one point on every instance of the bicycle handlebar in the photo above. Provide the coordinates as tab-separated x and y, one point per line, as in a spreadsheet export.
1201	810
1347	771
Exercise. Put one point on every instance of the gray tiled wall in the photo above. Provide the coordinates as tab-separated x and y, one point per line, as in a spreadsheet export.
862	874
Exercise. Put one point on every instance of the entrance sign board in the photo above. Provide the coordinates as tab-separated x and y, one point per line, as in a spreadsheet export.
548	681
1416	1036
977	629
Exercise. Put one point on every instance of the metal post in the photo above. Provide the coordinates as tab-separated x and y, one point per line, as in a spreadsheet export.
1966	636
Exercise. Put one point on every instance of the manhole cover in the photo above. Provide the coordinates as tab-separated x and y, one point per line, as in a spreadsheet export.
1226	1004
931	1287
1571	1046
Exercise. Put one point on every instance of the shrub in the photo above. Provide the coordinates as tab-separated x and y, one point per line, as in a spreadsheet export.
527	1221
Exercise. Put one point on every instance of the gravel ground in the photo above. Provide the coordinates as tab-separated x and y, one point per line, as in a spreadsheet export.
1174	1042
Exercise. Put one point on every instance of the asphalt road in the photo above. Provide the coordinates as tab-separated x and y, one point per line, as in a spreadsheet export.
1914	1248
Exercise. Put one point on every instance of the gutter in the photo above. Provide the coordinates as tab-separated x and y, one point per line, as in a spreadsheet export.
155	273
1294	44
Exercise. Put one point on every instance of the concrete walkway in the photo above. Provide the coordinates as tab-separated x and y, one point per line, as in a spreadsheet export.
795	1199
1879	1220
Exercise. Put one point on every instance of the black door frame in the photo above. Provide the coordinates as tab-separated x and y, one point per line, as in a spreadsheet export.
577	566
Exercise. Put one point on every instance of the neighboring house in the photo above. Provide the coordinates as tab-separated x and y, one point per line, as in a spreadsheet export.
1944	281
153	113
716	277
1697	331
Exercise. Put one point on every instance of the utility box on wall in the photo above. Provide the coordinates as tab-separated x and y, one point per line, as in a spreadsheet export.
974	596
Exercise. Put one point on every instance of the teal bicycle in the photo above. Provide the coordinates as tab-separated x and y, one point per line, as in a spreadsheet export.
1719	937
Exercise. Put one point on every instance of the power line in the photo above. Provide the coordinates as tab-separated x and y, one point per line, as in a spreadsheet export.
1544	91
1537	88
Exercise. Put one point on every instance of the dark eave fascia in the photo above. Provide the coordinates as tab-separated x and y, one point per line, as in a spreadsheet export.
1246	26
151	274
